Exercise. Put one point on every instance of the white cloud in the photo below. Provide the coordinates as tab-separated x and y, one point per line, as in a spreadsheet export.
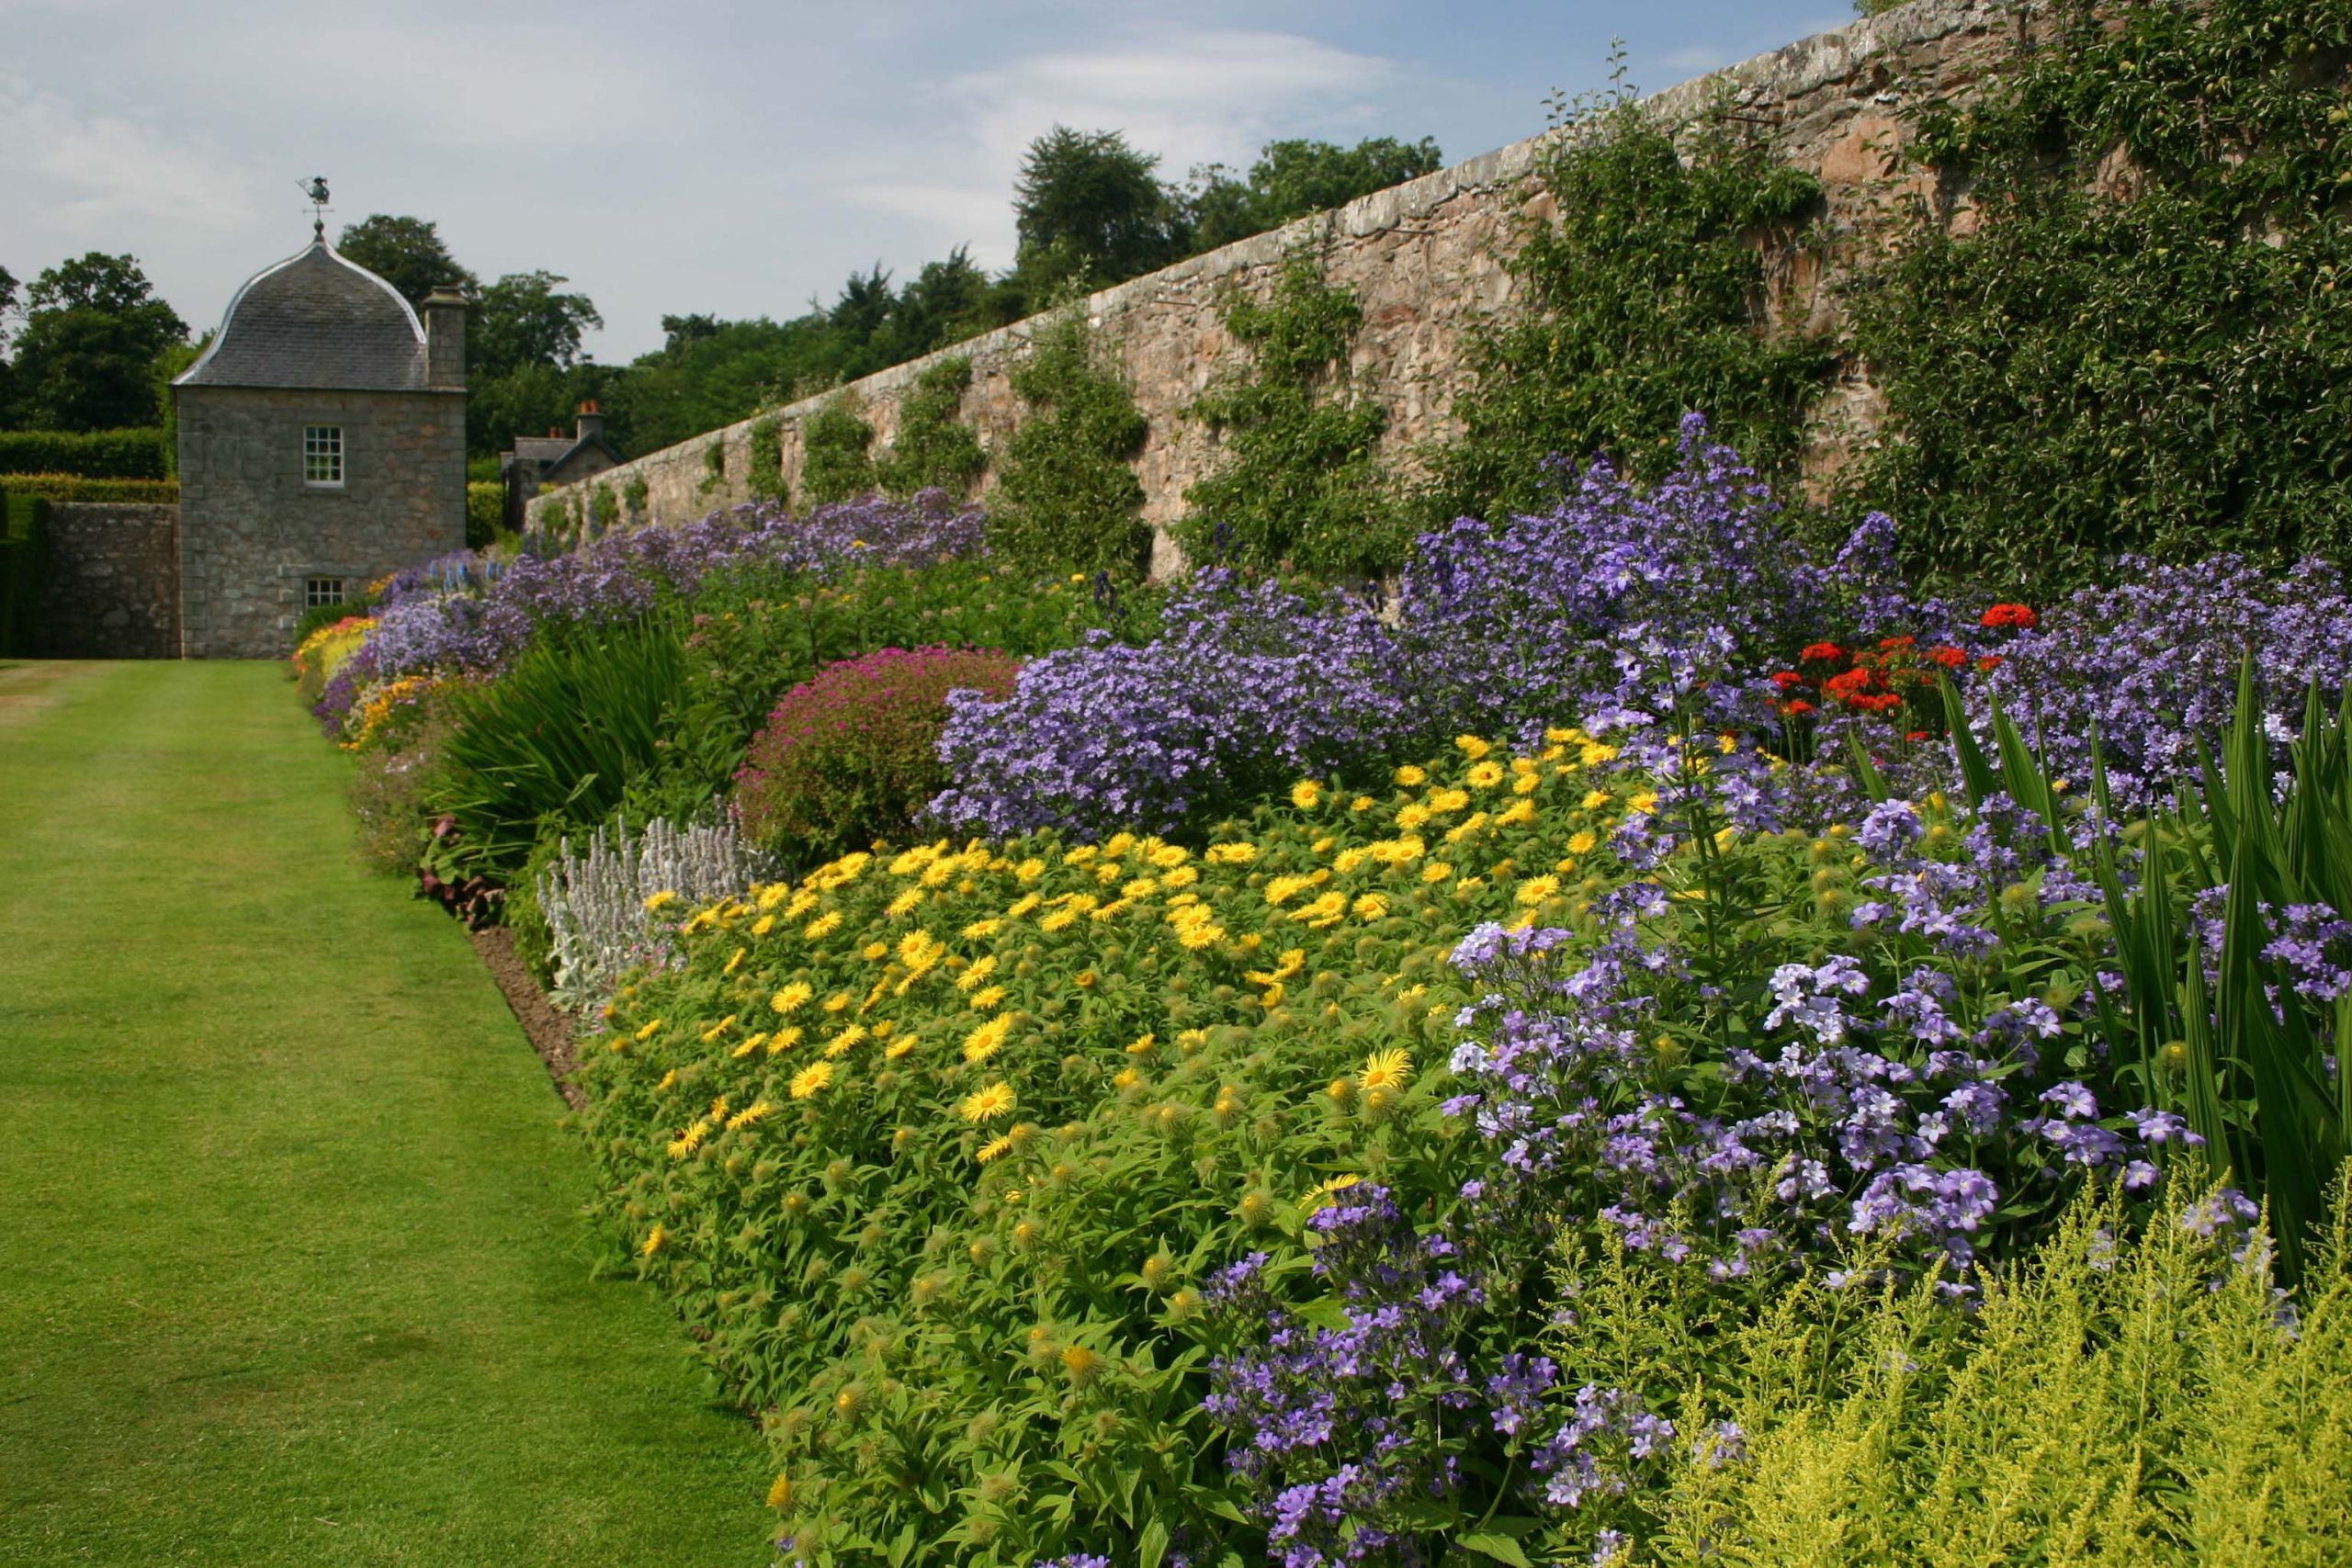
94	176
1194	97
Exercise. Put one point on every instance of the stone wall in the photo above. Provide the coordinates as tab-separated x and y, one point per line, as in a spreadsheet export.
111	585
252	530
1424	258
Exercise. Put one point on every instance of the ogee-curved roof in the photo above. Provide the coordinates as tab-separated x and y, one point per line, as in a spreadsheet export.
315	321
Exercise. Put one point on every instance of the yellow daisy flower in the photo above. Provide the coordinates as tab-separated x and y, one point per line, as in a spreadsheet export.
811	1078
986	1104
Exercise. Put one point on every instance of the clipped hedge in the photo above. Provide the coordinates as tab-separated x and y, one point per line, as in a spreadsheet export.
76	488
93	454
853	753
485	512
24	542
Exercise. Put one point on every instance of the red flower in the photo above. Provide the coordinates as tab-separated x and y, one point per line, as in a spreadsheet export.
1989	663
1879	704
1798	706
2021	617
1889	644
1917	735
1947	655
1850	686
1822	653
1787	678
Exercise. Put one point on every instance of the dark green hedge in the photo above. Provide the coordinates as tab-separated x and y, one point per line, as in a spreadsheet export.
22	543
94	454
73	487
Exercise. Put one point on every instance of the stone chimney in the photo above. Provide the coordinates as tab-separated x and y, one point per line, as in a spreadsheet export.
592	423
445	339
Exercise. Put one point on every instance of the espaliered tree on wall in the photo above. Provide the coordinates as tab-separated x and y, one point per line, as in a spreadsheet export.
1643	298
1066	495
1302	483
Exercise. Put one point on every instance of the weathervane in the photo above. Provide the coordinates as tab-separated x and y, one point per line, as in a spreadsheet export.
317	191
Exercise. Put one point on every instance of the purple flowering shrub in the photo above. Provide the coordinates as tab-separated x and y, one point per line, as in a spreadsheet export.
2153	661
1618	607
1778	1054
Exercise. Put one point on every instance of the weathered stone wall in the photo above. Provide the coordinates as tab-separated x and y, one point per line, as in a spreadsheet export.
1423	260
251	530
111	585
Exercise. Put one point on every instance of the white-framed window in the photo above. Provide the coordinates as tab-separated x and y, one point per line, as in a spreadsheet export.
322	458
318	591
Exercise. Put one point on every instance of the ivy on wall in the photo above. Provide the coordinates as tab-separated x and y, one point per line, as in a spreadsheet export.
933	447
1642	298
1066	496
1301	483
833	461
2136	339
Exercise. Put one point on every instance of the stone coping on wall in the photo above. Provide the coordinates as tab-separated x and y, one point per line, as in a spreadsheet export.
1806	92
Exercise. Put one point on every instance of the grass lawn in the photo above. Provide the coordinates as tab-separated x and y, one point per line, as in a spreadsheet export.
290	1267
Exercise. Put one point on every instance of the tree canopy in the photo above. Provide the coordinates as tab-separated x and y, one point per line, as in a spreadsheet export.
406	253
85	357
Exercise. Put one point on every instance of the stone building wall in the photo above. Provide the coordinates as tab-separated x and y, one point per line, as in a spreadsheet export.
110	588
1423	259
252	530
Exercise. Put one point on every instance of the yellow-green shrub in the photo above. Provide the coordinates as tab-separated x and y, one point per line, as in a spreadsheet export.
2115	1399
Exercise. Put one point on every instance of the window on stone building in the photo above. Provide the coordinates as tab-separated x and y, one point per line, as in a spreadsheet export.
322	458
318	591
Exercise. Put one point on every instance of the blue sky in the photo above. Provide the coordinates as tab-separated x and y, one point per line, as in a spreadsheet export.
727	158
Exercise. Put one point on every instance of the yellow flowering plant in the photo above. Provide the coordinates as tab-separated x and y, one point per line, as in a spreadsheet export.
1063	1082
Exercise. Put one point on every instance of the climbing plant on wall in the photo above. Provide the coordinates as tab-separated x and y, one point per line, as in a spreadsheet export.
1643	298
1301	480
833	461
2134	338
1066	496
763	460
933	447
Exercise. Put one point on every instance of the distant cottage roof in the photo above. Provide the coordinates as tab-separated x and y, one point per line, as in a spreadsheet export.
316	319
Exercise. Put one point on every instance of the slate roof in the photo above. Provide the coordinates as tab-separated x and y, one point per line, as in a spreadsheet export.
317	321
543	448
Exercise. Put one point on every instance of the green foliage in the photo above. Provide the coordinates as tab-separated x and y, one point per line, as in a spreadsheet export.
604	507
633	496
406	253
2242	1055
73	487
2117	1399
1292	178
526	918
2157	361
485	512
833	461
556	739
714	466
933	447
853	754
1301	484
90	453
1066	497
173	363
84	360
1642	299
24	546
763	460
